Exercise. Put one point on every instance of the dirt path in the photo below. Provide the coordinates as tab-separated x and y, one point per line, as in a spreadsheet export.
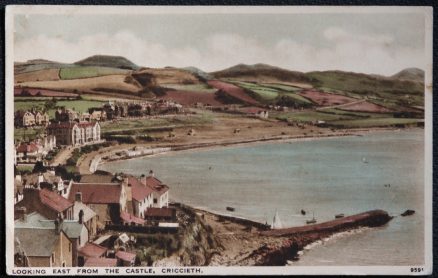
62	156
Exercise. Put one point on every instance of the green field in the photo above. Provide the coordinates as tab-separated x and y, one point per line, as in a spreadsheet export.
26	134
78	105
86	72
137	126
282	87
204	88
312	116
400	93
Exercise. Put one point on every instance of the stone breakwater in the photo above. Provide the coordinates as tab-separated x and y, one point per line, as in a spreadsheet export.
296	238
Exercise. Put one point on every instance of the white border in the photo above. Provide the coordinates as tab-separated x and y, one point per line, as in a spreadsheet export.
11	11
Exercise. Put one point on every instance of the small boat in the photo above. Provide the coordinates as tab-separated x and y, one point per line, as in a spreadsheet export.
231	209
364	160
311	221
341	215
303	212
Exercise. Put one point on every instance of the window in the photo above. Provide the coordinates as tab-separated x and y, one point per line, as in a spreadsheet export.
155	200
69	246
53	257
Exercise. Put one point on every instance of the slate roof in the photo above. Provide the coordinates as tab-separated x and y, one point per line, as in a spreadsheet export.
100	262
36	242
35	220
96	193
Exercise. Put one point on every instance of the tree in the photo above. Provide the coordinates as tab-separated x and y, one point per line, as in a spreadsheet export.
39	167
50	104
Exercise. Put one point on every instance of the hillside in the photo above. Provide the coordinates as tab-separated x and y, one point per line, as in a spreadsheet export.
412	74
108	61
262	73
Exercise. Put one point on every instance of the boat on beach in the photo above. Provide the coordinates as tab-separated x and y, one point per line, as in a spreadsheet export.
230	208
340	215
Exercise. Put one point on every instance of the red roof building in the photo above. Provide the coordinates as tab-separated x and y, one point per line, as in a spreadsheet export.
54	201
130	219
27	148
96	193
91	250
48	203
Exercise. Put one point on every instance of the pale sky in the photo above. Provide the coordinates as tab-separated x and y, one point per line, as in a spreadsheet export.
369	43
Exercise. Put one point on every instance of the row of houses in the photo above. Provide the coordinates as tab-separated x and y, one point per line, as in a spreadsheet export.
36	150
29	118
68	215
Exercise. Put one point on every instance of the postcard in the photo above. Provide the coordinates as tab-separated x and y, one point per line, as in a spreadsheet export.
189	140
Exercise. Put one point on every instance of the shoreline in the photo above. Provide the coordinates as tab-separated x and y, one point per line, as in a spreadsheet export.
177	148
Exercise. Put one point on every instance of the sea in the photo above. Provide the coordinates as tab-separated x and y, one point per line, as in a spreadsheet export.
321	176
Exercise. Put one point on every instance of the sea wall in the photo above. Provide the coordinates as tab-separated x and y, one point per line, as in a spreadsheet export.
297	238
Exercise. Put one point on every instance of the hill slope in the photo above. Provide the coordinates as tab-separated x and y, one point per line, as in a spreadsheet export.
108	61
261	73
412	74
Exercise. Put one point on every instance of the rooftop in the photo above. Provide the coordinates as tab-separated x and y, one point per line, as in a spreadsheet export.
54	201
129	218
27	148
42	247
88	212
156	185
96	193
92	250
159	212
139	191
125	256
102	262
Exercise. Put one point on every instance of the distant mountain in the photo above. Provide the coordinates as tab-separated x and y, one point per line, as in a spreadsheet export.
38	64
261	72
108	61
412	74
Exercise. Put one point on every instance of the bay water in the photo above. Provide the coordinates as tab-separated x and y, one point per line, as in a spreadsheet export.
323	177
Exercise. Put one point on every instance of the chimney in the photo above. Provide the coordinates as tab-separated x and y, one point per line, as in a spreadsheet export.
58	224
78	196
151	173
81	216
143	179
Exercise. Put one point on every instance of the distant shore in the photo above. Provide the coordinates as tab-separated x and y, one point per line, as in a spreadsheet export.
188	147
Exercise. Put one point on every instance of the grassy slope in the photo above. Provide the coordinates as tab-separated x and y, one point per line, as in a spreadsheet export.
88	71
373	87
78	105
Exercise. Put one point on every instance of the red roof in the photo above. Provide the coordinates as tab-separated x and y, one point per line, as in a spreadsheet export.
125	256
139	190
129	218
86	124
156	185
97	193
159	212
102	262
27	148
92	250
54	200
